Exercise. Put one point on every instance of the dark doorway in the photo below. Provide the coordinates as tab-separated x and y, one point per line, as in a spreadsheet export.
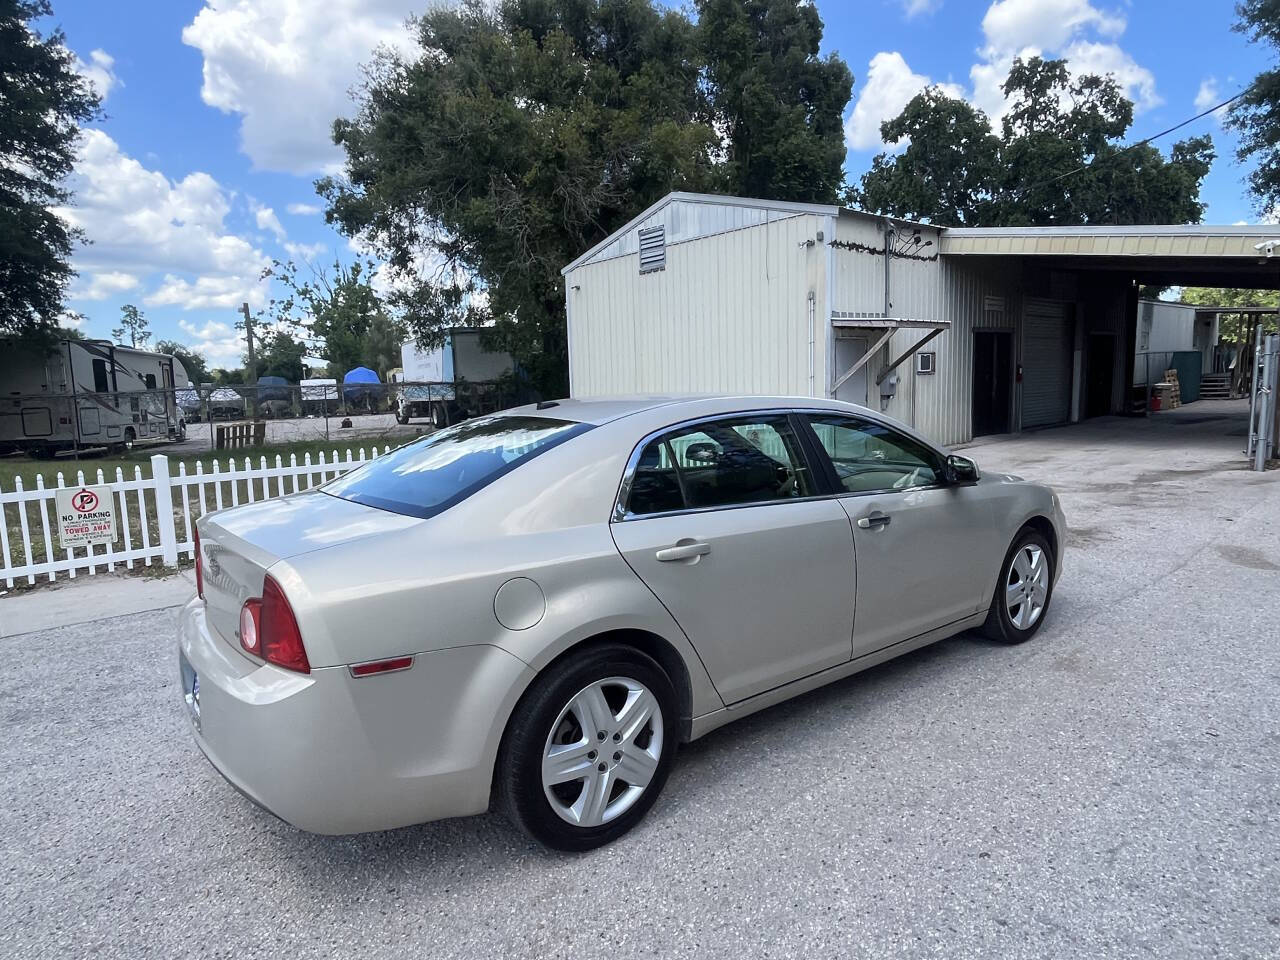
1100	364
992	381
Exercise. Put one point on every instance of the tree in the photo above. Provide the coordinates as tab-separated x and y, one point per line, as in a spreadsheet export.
195	365
133	322
382	342
280	355
336	307
520	136
779	104
42	103
1057	159
1235	328
949	171
1256	115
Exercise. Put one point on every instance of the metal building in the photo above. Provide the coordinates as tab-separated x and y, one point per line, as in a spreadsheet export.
958	331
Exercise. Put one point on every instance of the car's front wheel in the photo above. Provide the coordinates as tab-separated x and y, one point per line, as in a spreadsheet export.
588	749
1023	591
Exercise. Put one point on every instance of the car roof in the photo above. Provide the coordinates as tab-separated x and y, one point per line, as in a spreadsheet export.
601	410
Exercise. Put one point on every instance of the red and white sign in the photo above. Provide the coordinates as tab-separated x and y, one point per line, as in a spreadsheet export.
86	515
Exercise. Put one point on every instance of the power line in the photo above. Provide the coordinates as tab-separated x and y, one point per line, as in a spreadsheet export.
1134	146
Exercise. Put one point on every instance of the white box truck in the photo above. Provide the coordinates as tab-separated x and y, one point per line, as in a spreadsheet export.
86	393
427	382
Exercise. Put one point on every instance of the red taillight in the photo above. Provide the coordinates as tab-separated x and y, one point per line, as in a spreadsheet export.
279	638
199	564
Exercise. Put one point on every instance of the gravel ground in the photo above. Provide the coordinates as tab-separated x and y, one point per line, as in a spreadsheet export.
378	427
1110	789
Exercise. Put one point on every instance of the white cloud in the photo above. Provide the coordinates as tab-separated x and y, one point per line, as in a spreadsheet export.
889	87
106	284
303	209
1015	24
286	69
219	343
1138	83
100	72
305	251
140	223
914	8
1066	29
267	220
1210	95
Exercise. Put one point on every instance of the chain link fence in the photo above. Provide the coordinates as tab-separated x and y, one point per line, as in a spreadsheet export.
43	425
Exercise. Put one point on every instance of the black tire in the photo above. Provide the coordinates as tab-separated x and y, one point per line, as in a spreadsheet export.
999	625
438	416
518	776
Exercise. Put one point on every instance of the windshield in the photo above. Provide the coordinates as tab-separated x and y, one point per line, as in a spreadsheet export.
430	475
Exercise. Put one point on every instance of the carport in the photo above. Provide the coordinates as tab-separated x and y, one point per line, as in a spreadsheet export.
1078	289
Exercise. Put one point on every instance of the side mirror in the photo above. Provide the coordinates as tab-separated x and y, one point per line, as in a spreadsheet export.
962	470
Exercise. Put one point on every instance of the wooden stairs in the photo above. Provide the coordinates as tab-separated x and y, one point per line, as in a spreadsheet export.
1215	386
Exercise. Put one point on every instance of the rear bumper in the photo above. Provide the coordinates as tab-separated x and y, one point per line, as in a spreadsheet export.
333	754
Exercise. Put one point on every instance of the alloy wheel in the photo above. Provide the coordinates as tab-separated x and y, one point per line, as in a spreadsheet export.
602	752
1027	586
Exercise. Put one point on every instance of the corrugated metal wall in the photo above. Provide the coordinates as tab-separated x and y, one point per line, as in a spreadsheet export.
971	293
728	314
730	311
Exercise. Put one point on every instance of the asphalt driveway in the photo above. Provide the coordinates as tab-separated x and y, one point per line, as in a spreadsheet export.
1110	789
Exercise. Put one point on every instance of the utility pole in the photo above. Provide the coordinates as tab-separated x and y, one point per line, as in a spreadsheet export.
248	335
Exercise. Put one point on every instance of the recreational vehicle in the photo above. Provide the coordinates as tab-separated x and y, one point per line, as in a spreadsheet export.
86	393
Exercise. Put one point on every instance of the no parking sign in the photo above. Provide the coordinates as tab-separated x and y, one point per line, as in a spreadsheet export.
86	515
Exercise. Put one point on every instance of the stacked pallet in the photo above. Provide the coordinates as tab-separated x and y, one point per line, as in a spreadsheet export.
1175	391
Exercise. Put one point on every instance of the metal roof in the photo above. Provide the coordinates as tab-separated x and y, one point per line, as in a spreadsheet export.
1202	241
1183	240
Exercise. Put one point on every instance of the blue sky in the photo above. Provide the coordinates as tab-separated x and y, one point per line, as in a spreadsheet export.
218	114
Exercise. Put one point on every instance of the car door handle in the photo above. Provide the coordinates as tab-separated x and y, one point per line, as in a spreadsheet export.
684	550
873	521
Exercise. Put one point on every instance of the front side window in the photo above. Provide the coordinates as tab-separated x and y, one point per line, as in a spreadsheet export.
730	462
428	476
869	456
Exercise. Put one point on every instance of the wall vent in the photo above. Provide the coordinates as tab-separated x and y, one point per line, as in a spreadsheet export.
653	249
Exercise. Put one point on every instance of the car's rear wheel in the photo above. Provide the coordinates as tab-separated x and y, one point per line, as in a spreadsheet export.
1023	591
588	749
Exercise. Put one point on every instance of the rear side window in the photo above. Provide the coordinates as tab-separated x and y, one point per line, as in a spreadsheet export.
730	462
430	475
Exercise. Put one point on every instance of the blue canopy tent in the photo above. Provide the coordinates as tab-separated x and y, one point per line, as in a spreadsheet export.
361	387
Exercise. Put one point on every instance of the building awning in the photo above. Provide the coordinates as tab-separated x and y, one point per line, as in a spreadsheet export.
841	319
888	325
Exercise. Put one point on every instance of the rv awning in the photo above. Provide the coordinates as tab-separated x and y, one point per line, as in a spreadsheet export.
841	319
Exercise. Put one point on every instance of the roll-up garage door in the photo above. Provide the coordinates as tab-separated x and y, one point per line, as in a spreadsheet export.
1047	345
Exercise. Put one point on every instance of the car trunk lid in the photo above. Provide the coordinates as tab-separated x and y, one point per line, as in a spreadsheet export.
239	545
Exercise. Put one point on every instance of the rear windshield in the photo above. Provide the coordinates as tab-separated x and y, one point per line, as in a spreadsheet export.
430	475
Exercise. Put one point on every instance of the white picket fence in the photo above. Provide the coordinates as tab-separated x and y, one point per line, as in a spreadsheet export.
155	515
